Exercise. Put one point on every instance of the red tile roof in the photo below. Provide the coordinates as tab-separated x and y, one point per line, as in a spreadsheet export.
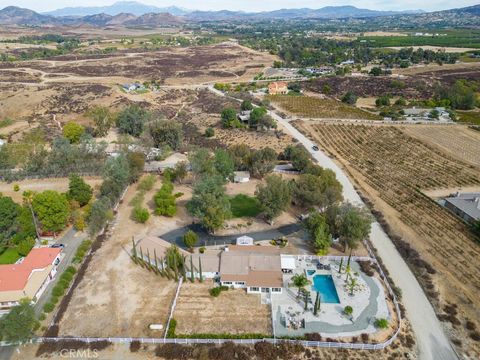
15	277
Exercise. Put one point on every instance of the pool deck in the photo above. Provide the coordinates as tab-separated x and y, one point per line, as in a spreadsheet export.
368	303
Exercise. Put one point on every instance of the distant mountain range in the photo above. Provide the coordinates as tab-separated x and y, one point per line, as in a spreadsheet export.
120	7
138	9
131	13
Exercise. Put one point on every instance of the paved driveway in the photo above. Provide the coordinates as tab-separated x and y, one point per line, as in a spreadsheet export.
176	236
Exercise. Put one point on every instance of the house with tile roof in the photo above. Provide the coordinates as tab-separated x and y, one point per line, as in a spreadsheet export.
29	278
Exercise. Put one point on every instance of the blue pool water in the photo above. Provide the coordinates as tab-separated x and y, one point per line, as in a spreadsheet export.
311	272
325	286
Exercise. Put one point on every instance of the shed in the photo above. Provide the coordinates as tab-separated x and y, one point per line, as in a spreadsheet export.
244	240
241	176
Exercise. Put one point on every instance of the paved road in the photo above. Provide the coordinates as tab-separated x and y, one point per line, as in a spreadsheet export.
72	240
176	236
432	341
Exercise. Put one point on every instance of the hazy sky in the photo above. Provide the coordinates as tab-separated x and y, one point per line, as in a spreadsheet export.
251	5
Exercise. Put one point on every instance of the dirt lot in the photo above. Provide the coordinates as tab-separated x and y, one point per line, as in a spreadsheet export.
233	312
117	297
457	141
390	167
39	185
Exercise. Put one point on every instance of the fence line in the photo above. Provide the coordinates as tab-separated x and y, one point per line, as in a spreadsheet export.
188	341
333	258
172	309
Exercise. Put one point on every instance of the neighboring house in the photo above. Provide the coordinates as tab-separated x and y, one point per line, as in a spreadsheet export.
466	206
244	116
324	70
29	278
285	169
133	87
348	62
241	176
169	163
278	88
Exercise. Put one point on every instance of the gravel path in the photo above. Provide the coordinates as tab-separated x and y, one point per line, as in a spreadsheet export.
432	341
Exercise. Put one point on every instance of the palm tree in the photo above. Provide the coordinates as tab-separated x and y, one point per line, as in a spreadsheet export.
352	285
300	281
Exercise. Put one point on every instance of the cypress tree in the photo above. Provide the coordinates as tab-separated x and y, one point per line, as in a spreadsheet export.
156	262
317	305
134	249
341	264
200	269
175	269
192	275
141	256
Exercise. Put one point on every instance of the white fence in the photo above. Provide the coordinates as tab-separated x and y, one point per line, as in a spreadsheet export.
116	340
174	304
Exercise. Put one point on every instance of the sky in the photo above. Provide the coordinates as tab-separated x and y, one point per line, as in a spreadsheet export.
252	5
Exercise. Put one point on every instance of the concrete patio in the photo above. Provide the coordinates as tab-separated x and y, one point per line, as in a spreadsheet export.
368	303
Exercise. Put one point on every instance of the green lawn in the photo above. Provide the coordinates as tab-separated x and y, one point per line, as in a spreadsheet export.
9	256
244	206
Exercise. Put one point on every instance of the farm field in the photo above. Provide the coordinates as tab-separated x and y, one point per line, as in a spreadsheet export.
392	168
232	312
312	107
458	141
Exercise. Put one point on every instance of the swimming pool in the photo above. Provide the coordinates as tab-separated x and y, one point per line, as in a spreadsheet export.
325	286
311	272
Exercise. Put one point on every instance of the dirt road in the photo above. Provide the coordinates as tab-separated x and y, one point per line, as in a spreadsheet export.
432	341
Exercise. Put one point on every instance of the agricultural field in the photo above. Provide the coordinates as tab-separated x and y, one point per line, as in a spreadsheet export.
313	107
453	38
469	117
460	142
232	312
392	168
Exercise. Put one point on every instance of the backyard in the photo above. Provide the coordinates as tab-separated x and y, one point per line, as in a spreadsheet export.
232	312
244	206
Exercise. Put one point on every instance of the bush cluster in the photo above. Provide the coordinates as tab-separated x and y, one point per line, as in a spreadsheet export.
82	251
217	290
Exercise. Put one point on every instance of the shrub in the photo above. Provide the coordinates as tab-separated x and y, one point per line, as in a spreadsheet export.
73	131
165	201
42	316
348	310
190	239
67	276
54	299
217	290
147	183
349	98
202	249
140	214
171	328
470	325
209	132
16	188
48	307
475	335
71	269
58	290
382	323
135	345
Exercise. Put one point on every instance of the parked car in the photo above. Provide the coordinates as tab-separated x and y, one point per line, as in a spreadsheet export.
315	148
56	246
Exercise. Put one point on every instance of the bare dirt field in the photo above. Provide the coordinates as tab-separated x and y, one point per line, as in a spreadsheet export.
39	185
458	141
117	297
233	312
390	167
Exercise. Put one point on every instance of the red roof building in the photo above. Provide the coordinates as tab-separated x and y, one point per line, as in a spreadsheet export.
29	278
